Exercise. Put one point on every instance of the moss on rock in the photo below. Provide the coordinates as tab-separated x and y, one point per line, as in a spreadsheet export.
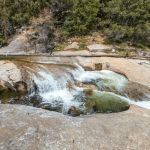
106	102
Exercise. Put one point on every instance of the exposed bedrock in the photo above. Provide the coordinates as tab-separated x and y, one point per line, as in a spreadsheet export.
23	127
131	68
137	74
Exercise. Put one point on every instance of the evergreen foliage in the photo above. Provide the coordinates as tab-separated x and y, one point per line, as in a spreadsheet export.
127	20
120	20
83	16
19	12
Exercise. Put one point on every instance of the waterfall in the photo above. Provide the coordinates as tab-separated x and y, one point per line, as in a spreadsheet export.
56	95
102	79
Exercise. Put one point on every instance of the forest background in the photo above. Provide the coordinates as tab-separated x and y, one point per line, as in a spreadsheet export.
120	20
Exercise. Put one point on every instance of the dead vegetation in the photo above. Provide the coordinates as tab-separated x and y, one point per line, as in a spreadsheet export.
42	31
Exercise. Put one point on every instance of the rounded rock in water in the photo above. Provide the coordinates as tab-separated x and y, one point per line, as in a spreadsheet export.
106	102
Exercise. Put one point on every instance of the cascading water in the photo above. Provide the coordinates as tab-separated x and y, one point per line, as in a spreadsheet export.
55	94
103	79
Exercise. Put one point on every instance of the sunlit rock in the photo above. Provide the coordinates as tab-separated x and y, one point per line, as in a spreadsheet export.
98	47
74	45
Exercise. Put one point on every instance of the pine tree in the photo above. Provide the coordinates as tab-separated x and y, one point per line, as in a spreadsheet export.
83	16
19	12
127	20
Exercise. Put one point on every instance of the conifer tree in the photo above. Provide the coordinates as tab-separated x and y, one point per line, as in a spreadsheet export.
127	20
83	16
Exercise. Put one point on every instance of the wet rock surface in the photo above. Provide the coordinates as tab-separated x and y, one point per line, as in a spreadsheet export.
87	86
8	94
23	127
104	102
134	91
22	100
137	92
73	111
128	67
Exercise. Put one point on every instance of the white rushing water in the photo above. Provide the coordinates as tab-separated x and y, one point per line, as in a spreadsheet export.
103	79
56	95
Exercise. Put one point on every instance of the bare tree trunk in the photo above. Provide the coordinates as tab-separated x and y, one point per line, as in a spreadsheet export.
46	46
5	22
35	47
26	50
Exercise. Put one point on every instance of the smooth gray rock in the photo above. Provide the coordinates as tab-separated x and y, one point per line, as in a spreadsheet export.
9	74
98	47
74	45
39	48
107	65
24	127
142	53
16	46
19	31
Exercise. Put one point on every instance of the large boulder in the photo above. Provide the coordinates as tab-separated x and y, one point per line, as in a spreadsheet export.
11	84
19	31
9	75
24	127
104	102
10	30
108	103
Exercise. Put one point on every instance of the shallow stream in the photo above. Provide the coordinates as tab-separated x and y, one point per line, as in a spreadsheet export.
56	95
55	88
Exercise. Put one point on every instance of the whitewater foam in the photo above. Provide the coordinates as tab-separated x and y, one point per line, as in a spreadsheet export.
56	94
